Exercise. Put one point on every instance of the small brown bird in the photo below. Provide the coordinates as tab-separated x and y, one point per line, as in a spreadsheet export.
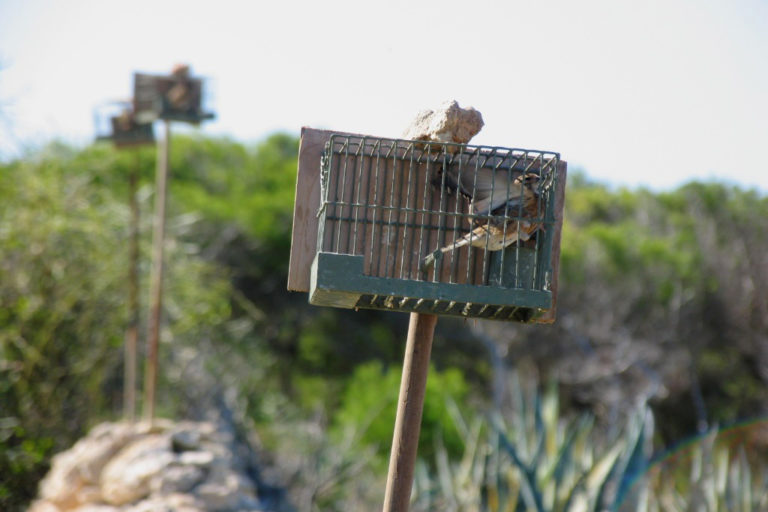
503	207
181	95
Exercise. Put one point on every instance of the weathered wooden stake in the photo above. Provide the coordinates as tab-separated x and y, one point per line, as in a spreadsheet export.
410	405
156	285
132	333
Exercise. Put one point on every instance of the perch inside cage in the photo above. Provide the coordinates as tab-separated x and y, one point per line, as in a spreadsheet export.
174	97
437	228
116	122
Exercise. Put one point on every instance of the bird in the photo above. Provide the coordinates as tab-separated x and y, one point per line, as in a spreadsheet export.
181	94
500	207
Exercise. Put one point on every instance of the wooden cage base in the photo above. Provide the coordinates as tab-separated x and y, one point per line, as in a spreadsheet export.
337	280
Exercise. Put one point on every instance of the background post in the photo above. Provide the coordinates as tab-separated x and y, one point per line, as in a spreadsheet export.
410	405
132	333
156	284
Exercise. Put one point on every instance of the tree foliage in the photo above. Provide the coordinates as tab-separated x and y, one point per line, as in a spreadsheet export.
369	403
662	299
664	288
63	269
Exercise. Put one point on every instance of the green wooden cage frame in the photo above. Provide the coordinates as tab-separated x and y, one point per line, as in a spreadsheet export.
384	205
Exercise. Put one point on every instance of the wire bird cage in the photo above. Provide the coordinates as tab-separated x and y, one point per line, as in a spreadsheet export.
116	122
390	206
174	97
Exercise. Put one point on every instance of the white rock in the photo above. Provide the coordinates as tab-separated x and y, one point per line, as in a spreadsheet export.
449	123
158	467
186	439
75	470
171	503
226	491
215	496
184	503
127	476
43	506
196	458
176	479
91	507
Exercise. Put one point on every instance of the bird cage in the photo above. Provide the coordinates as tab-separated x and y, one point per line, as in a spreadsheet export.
174	97
116	122
437	228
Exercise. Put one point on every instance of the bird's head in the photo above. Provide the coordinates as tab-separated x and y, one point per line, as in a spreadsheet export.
530	180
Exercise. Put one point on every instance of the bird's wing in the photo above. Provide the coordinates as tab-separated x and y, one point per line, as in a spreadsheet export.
490	189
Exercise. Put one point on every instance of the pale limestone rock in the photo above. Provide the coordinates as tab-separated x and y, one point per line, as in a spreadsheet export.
201	459
74	476
43	506
176	479
170	503
163	467
126	477
227	491
96	507
186	439
216	497
449	123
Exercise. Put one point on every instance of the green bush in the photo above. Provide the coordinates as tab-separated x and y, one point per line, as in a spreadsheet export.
369	405
63	313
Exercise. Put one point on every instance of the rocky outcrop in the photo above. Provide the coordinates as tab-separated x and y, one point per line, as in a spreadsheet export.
166	466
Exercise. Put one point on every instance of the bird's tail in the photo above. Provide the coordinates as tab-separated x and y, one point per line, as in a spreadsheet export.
431	258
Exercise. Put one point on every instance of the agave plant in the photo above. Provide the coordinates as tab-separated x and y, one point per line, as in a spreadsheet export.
539	461
708	476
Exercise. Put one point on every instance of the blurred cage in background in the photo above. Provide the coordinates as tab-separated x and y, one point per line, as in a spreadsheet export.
386	204
116	122
174	97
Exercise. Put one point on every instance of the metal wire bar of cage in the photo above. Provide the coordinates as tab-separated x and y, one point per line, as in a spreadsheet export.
390	201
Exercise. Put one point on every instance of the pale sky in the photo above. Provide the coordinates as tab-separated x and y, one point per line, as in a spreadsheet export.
651	93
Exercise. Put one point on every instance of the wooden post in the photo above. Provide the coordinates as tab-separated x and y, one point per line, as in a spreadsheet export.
156	284
132	333
410	405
